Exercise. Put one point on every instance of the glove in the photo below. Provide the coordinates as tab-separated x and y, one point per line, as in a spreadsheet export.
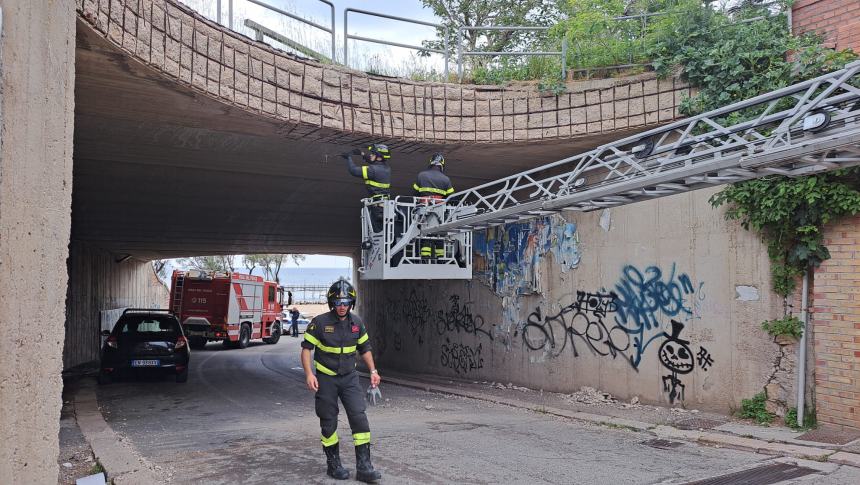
373	393
345	155
356	152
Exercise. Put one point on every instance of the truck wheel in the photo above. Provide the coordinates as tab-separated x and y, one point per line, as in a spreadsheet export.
197	343
244	336
276	334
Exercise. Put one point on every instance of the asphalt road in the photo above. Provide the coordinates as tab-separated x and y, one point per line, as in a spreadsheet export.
245	416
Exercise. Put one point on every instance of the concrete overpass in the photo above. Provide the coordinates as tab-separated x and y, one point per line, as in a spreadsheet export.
191	139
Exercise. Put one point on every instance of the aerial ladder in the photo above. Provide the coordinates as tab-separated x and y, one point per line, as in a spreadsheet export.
806	128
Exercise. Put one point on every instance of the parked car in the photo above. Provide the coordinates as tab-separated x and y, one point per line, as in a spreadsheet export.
303	322
145	339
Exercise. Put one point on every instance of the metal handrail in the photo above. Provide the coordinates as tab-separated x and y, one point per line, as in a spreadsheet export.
461	53
347	36
328	30
261	31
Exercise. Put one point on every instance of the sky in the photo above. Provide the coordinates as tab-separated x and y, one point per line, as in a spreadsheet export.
359	24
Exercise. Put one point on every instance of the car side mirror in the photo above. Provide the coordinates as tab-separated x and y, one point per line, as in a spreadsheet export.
105	333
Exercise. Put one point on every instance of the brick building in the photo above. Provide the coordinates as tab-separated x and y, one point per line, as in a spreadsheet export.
838	21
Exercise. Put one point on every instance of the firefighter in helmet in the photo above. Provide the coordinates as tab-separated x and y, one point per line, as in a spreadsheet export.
433	186
335	338
377	177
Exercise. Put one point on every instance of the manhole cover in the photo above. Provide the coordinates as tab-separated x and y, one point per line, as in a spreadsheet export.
762	475
698	423
833	437
662	444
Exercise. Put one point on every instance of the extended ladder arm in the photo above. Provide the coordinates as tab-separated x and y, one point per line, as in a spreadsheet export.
809	127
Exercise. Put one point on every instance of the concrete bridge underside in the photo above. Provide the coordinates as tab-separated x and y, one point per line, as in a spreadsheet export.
167	164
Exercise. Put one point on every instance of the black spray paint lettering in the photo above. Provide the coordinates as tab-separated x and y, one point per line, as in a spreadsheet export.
460	319
461	358
581	320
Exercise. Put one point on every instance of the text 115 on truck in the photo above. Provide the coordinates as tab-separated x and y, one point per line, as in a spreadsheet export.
232	308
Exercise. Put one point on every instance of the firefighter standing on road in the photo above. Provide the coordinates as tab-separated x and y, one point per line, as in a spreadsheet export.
433	186
336	336
376	175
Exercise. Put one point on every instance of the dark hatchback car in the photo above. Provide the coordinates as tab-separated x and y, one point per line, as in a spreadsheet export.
145	339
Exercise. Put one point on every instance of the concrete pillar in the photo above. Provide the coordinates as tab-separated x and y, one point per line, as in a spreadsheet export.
36	120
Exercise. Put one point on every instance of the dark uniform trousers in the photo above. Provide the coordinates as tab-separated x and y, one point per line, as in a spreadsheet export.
335	343
347	388
431	187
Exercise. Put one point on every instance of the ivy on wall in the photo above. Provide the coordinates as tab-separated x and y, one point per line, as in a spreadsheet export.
731	56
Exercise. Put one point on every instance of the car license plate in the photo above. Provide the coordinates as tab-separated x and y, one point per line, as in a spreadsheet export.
145	363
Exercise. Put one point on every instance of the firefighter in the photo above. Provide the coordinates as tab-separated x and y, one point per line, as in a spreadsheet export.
433	186
335	337
377	177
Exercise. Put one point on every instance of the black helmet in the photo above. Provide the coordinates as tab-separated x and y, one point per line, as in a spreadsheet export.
438	160
379	149
340	290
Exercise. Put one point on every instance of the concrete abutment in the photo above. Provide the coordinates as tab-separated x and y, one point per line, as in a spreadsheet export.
36	130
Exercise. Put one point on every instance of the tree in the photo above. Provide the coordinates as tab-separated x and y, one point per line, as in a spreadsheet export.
272	263
209	263
251	262
473	13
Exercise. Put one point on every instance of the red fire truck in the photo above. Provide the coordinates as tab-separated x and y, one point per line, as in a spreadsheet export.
231	307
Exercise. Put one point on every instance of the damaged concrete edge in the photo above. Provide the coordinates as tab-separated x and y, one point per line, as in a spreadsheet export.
707	438
122	465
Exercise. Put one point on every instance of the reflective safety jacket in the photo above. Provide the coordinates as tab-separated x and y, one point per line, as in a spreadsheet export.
432	182
377	177
336	342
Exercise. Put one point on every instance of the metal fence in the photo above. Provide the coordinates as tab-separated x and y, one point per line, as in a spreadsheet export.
461	53
346	36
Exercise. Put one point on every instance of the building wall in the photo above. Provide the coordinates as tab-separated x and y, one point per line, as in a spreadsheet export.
36	129
836	327
97	284
838	21
589	300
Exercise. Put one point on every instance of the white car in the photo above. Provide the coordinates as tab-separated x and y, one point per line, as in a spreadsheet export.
287	322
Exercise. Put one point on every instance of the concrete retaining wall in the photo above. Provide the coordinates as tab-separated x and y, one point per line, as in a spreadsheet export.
36	129
557	304
333	103
99	284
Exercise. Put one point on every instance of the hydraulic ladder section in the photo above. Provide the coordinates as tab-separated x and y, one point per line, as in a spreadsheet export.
810	127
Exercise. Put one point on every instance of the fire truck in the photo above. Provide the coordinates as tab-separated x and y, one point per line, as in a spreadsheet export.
233	308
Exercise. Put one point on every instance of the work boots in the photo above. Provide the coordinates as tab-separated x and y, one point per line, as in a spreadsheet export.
332	460
364	471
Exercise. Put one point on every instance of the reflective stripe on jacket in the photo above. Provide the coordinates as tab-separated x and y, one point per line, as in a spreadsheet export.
335	342
433	181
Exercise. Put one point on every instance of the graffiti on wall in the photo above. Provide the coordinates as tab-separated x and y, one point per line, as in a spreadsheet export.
508	256
459	318
409	317
623	323
677	357
461	358
581	322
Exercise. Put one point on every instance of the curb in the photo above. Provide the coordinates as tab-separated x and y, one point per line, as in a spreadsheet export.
708	438
121	464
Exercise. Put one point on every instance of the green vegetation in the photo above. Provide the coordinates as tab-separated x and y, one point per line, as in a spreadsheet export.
788	326
809	420
790	213
97	468
755	409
